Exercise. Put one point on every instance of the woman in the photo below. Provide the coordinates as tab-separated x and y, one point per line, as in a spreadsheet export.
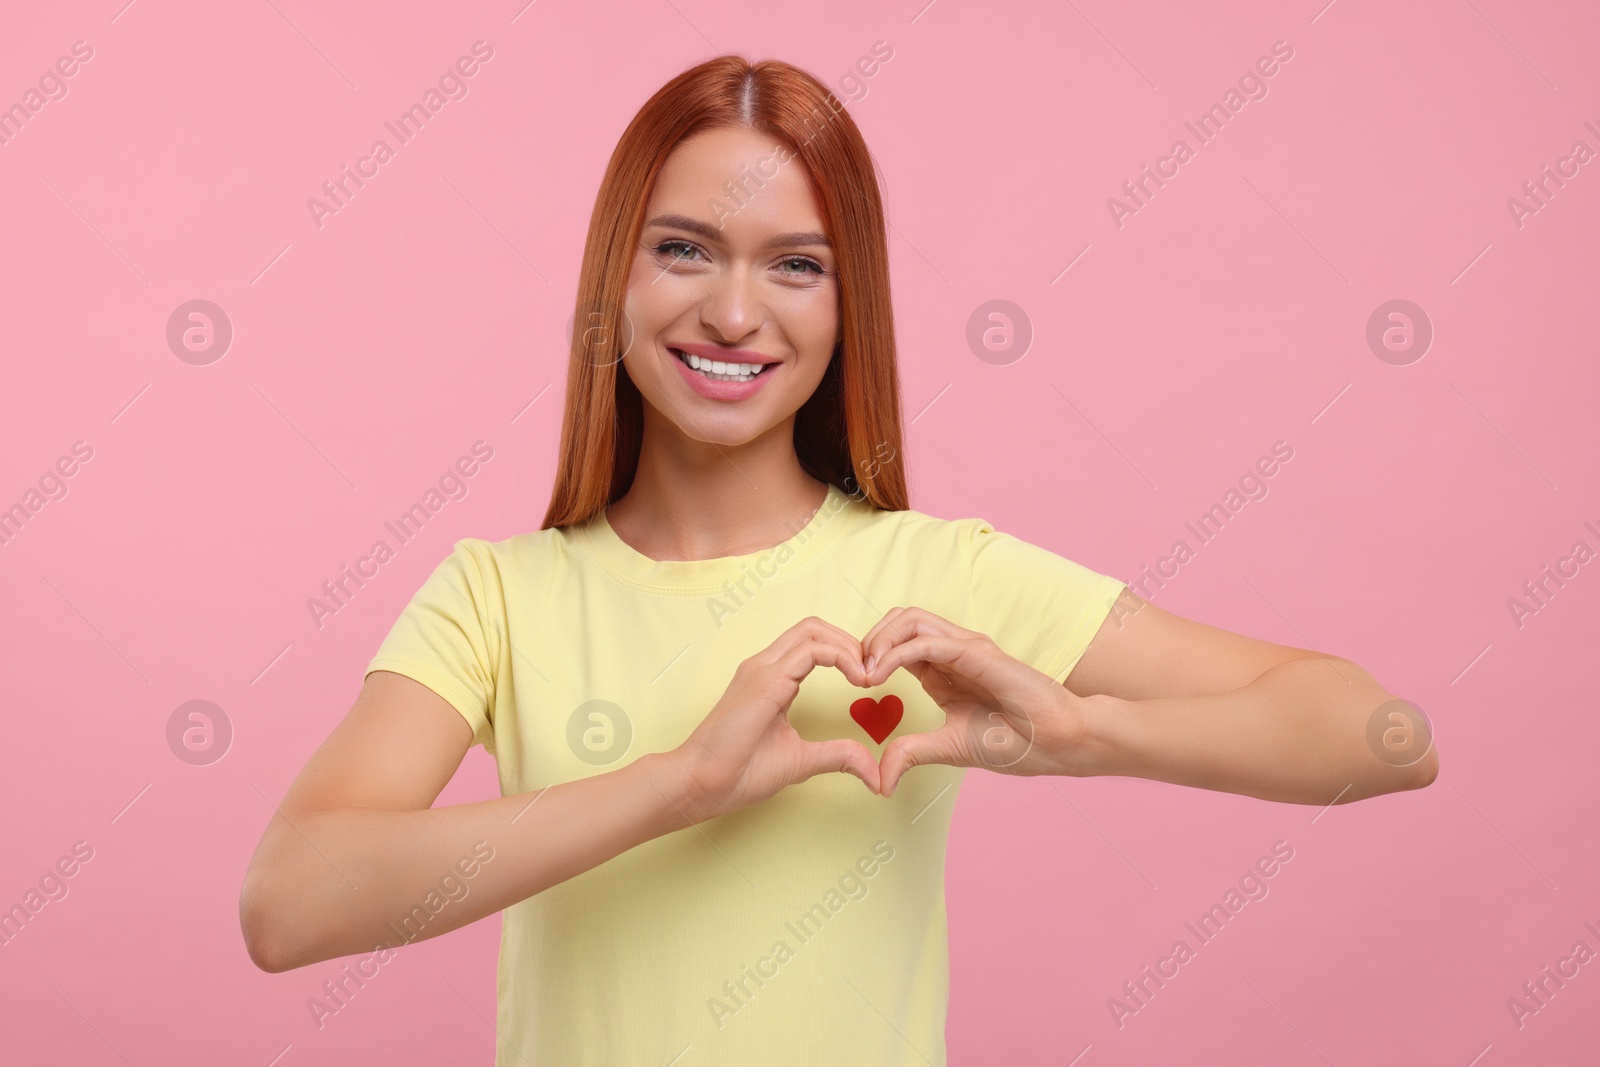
681	878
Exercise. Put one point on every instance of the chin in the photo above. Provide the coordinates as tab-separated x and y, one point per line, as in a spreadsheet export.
725	432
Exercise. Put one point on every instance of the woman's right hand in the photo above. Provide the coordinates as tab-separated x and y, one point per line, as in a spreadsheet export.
745	750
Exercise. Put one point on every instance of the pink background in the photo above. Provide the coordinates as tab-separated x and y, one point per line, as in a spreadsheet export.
1226	315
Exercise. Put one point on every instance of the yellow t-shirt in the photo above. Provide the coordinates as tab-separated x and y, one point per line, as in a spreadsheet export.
806	929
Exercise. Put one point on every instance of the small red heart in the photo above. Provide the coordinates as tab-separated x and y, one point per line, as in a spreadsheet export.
878	718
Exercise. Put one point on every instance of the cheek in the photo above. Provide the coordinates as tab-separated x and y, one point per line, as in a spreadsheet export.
810	318
658	302
639	302
812	326
805	379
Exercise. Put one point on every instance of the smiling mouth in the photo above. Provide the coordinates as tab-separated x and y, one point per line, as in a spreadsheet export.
719	371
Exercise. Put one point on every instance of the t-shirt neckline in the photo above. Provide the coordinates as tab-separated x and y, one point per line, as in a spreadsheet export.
704	576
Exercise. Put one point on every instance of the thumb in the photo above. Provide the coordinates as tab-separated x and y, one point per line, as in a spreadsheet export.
916	750
844	755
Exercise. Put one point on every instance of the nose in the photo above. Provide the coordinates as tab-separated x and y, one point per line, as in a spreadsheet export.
732	308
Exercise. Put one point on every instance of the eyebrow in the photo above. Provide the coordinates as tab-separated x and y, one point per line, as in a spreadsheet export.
712	233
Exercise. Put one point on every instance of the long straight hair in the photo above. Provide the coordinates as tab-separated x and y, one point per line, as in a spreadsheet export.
847	433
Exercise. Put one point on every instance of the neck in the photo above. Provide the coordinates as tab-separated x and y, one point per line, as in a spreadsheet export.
693	500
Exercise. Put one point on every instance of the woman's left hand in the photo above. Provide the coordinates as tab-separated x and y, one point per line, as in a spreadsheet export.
1000	713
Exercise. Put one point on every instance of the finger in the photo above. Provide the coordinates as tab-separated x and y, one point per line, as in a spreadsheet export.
813	628
887	620
900	618
904	624
917	750
957	653
824	651
851	757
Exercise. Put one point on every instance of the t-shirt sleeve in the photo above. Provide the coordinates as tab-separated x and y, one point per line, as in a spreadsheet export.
443	639
1040	608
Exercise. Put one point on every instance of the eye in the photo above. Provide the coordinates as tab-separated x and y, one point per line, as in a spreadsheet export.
806	264
676	250
680	251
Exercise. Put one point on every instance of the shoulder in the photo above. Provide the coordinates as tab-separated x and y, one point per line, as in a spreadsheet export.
499	563
926	534
911	522
970	547
530	545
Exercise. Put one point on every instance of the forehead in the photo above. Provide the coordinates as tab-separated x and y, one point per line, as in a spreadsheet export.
734	177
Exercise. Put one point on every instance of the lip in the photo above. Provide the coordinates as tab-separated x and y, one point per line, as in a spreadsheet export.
712	389
727	355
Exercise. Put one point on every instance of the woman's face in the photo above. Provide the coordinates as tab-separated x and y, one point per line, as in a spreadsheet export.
732	269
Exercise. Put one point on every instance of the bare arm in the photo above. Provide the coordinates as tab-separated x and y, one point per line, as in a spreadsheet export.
1157	696
1174	700
355	850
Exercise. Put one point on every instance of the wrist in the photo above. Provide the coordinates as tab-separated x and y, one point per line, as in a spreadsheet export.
1091	730
674	775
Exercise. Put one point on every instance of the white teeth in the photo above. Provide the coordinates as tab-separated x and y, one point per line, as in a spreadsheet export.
722	371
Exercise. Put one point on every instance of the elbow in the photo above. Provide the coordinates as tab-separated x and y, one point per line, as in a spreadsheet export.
259	939
1394	733
1424	771
262	956
1402	779
1391	778
262	924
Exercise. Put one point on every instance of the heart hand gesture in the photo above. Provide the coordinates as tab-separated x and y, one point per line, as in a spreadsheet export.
1000	713
746	750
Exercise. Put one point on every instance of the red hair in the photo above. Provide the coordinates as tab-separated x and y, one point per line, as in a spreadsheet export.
844	430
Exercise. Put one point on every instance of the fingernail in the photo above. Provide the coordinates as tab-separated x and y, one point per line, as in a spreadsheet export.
870	661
